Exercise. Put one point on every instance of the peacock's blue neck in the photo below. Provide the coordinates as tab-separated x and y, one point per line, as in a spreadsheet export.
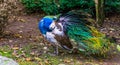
44	25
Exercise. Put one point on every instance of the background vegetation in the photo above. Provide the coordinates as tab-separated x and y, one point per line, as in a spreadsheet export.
60	6
25	44
3	16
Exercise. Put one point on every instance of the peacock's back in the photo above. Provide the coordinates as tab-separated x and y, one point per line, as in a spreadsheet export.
77	26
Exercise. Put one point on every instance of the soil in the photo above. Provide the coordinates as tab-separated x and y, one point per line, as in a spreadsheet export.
23	29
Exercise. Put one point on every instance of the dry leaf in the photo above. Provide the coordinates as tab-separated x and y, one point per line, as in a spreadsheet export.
118	48
15	48
22	20
32	53
67	61
46	62
38	59
28	59
18	35
10	41
40	63
61	64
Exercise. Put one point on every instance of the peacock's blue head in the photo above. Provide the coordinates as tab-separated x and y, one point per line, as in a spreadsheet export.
45	25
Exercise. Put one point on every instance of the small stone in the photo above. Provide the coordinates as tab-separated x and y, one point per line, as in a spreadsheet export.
107	18
30	39
44	52
112	29
22	26
28	59
61	64
15	48
7	61
67	61
45	48
20	31
32	53
10	41
22	20
71	59
41	44
61	60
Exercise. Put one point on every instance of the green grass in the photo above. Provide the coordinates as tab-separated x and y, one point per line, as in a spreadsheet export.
23	56
44	59
28	63
6	51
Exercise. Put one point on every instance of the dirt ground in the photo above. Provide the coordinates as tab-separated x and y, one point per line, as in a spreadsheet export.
22	30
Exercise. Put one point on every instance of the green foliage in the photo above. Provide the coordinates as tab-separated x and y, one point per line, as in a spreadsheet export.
89	5
112	6
57	6
48	6
66	5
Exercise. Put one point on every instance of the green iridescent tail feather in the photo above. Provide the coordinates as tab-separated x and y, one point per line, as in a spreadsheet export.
77	26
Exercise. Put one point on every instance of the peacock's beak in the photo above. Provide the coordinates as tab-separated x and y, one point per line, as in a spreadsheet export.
52	26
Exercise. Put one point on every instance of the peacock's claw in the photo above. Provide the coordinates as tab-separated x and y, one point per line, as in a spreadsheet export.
52	54
56	52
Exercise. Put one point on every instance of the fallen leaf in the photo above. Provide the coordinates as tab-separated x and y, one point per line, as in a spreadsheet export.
41	44
18	35
40	63
10	41
22	20
61	60
45	48
38	59
28	59
118	47
61	64
32	53
22	26
20	31
47	62
15	48
67	61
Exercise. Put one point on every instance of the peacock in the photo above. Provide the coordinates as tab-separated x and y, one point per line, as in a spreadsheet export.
74	30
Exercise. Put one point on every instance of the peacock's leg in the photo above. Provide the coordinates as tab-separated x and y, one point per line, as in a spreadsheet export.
56	50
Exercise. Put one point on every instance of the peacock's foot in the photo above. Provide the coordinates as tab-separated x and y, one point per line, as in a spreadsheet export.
53	54
56	53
